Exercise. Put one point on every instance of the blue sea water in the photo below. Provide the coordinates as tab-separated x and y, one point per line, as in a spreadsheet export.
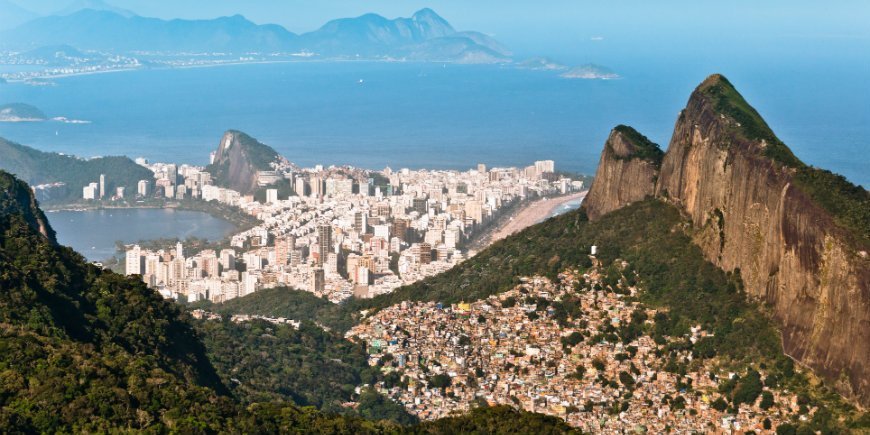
371	114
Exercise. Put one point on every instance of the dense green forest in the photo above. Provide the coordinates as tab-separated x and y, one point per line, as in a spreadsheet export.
38	167
263	362
86	350
288	303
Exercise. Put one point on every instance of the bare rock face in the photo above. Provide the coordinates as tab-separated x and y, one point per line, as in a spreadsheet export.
238	159
626	173
752	212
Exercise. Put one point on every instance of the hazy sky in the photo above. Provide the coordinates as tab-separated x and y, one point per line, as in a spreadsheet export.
567	26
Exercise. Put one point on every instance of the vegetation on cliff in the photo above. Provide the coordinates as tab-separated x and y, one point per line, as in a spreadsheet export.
644	148
83	348
848	203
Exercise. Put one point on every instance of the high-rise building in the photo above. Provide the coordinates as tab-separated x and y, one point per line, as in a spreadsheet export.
210	263
318	281
271	196
119	192
283	247
90	191
421	205
228	259
179	250
102	186
544	166
433	236
382	231
474	211
441	252
316	186
425	253
134	261
481	168
172	173
295	257
359	222
324	240
142	188
299	186
176	271
400	229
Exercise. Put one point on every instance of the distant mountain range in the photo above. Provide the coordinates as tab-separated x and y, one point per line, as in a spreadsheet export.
97	5
12	15
423	36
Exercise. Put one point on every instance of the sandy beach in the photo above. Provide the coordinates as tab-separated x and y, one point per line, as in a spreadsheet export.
530	215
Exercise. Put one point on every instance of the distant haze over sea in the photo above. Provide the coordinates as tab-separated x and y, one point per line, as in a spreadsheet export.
374	114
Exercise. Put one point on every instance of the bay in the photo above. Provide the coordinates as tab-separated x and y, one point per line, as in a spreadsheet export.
429	115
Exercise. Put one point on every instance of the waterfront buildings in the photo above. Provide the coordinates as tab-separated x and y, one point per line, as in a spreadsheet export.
345	232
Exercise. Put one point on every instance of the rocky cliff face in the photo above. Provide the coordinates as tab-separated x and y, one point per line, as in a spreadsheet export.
626	173
752	212
238	159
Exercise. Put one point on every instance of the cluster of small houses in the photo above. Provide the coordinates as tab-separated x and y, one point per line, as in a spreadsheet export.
498	353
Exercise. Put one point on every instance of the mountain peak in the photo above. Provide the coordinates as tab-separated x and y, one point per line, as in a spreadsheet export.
238	160
426	13
96	5
741	118
629	143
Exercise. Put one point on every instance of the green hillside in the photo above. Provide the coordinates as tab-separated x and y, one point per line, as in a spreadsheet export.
38	167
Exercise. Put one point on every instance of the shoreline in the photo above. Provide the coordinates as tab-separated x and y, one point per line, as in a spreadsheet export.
535	213
532	214
220	64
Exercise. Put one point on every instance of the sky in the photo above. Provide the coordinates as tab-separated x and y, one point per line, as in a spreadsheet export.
565	27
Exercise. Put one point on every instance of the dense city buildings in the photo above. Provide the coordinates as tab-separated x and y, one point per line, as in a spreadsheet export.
578	348
343	233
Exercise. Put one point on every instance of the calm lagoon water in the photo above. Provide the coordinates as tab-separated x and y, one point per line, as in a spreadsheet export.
93	232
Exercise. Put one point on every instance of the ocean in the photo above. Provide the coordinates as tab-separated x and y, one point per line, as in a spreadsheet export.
428	115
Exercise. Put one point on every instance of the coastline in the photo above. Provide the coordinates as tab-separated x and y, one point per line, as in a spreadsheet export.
220	64
531	214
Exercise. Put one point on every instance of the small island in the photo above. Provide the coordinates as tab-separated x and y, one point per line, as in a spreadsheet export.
20	112
590	72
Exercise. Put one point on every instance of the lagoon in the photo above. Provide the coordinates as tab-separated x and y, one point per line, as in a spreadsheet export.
93	233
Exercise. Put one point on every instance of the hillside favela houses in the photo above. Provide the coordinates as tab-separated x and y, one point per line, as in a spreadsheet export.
336	232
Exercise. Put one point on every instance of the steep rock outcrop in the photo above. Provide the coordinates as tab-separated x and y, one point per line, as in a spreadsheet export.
238	159
626	173
756	208
16	199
